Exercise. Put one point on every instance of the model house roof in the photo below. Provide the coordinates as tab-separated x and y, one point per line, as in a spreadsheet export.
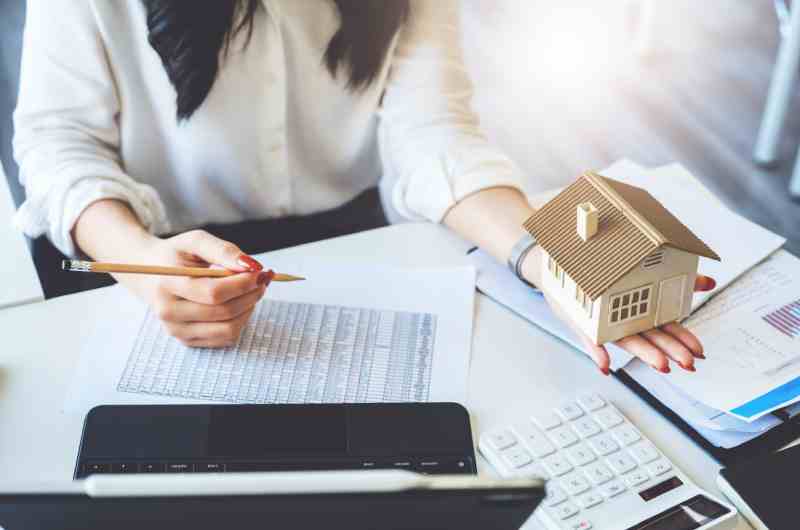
631	224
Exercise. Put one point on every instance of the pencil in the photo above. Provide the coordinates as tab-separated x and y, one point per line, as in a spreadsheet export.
194	272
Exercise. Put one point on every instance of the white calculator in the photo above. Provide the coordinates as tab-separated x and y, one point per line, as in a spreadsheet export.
603	473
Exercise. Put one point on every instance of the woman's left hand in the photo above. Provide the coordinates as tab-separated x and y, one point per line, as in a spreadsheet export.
658	346
655	347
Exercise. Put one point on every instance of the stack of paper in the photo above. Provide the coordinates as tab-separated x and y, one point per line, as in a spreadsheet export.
750	324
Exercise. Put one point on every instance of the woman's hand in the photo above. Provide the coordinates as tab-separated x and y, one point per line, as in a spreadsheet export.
201	312
655	347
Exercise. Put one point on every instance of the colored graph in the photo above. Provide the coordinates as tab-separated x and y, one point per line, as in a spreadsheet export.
786	319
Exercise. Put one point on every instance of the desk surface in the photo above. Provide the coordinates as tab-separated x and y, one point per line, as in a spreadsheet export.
516	368
19	282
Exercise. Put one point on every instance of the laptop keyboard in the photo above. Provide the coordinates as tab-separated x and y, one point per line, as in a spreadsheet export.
431	465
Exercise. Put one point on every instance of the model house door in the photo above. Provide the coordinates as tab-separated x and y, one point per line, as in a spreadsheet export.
670	300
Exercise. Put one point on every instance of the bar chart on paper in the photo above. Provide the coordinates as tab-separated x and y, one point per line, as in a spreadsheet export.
786	319
293	353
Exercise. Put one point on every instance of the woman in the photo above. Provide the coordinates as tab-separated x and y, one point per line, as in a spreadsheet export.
142	118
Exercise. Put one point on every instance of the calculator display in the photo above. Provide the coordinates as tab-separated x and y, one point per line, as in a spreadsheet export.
689	515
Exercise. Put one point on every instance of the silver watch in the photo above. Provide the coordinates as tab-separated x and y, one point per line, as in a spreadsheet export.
518	254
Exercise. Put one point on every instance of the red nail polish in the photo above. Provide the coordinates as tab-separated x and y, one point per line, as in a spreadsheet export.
249	263
689	368
709	284
263	279
700	355
665	370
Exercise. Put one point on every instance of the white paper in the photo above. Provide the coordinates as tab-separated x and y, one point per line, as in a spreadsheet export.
500	284
693	411
447	294
748	355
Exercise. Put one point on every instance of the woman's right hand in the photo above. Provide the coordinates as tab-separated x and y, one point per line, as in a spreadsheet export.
200	312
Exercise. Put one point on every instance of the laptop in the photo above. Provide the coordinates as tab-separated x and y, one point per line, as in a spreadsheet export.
351	500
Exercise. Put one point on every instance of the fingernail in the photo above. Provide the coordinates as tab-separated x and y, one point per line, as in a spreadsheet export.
265	278
249	263
605	371
689	367
700	355
709	284
664	370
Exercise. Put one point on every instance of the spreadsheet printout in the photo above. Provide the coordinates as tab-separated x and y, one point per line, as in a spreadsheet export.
293	353
351	333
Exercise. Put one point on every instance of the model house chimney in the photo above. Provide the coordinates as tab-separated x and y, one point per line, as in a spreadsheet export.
587	220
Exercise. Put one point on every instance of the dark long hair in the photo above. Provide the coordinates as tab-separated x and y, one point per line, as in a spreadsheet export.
191	35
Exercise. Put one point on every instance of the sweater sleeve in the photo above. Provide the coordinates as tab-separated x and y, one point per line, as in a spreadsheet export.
66	126
431	143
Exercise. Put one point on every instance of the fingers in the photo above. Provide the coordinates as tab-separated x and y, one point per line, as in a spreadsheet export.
185	311
216	251
217	291
671	347
642	348
686	337
704	283
599	354
210	334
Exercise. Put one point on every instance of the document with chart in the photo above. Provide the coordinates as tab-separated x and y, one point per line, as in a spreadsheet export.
349	334
751	331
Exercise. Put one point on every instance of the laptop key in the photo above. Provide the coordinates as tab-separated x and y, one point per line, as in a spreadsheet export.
95	468
210	467
125	467
179	467
151	467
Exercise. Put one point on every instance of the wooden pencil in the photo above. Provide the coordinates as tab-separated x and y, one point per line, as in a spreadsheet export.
195	272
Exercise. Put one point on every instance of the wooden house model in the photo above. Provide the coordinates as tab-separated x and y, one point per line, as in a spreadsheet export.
617	260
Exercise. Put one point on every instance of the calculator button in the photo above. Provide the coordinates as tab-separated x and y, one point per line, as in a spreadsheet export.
608	418
621	463
565	510
591	402
644	452
546	421
501	440
583	524
636	478
590	499
580	455
626	434
569	411
557	466
532	470
598	473
586	427
555	495
536	441
659	468
612	489
603	445
563	436
517	457
574	484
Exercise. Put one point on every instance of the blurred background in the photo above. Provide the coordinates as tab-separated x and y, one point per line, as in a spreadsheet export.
569	85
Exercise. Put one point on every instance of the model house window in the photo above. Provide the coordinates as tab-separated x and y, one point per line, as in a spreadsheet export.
587	306
551	265
630	305
654	259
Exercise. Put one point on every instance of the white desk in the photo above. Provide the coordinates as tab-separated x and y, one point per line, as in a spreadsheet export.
19	282
515	366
